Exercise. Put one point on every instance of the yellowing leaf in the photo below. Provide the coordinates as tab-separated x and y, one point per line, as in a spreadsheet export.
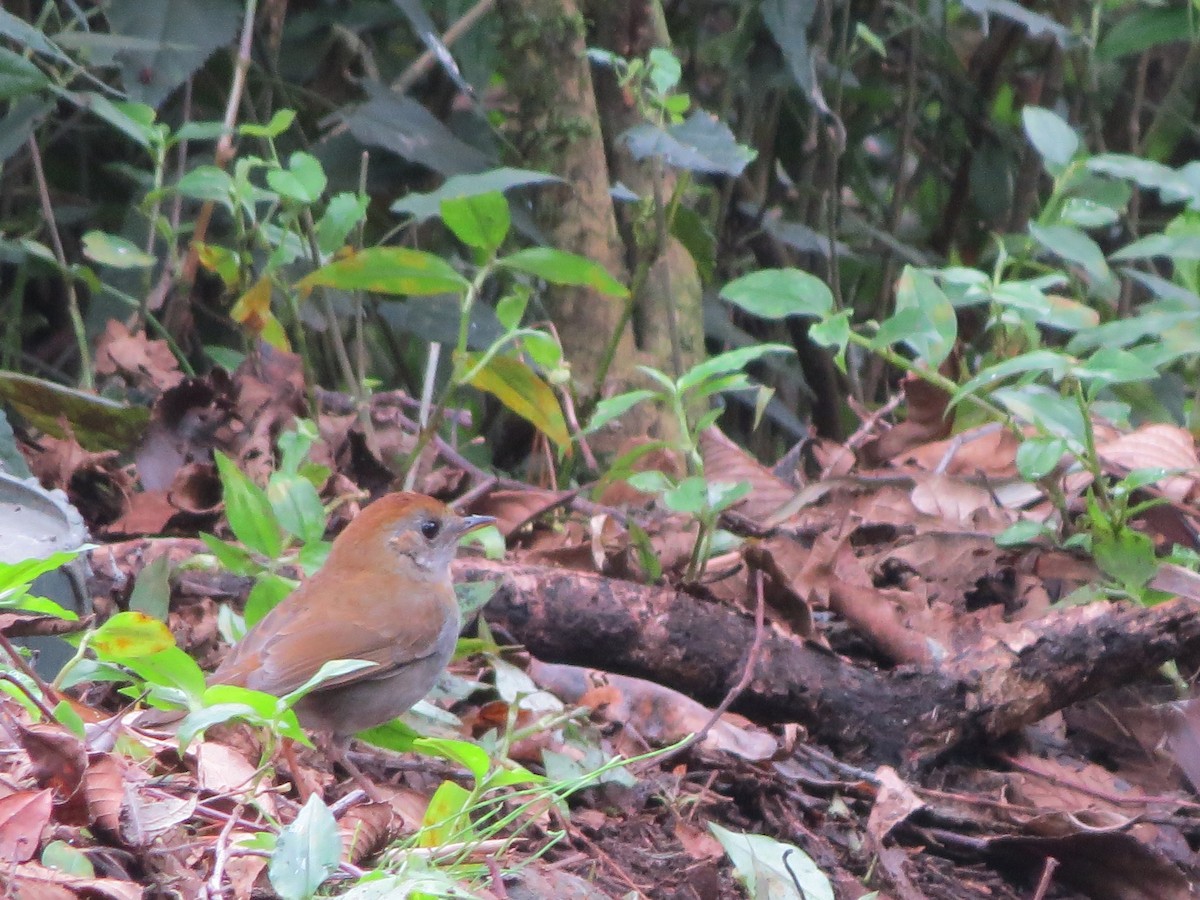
131	634
387	270
253	310
517	386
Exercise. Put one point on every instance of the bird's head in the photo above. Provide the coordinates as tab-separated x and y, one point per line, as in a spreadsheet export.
413	532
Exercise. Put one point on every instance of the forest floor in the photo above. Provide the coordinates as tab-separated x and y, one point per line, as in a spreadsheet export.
871	678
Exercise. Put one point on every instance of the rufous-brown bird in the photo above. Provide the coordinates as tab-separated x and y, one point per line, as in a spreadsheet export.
384	595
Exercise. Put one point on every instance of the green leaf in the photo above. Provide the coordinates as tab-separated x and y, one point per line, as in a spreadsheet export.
307	853
772	869
342	215
1112	365
18	76
22	574
935	326
234	558
470	756
479	221
560	267
1037	457
118	253
329	671
1126	555
510	309
207	183
689	496
387	270
280	122
248	510
393	735
614	407
266	594
517	386
724	363
1054	364
172	668
67	859
652	481
1047	410
1176	246
152	590
303	180
1074	246
1139	29
129	635
702	143
446	820
1055	141
779	293
297	505
425	206
96	422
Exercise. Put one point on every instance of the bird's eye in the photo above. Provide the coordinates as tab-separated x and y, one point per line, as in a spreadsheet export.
430	529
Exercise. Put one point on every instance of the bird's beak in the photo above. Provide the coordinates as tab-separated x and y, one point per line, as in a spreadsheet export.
470	523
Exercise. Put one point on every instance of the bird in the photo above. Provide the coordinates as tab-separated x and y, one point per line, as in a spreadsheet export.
384	595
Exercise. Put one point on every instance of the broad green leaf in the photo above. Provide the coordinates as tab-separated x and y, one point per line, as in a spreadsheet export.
772	869
172	668
61	856
303	180
307	853
560	267
1025	531
935	327
517	386
479	221
130	119
248	510
342	215
1045	409
689	496
236	559
267	593
833	332
1074	246
1127	556
425	206
207	183
779	293
652	481
446	819
1140	28
24	573
1175	246
110	250
510	308
1112	365
18	76
1037	457
730	361
297	505
96	422
398	271
1056	366
393	735
280	122
470	756
152	589
612	408
129	635
330	671
1055	141
702	143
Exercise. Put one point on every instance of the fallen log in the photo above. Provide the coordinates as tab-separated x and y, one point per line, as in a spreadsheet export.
908	716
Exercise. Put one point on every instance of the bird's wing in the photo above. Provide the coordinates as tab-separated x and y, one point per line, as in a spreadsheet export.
316	624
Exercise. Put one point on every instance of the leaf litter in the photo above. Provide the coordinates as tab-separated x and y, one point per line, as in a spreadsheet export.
877	556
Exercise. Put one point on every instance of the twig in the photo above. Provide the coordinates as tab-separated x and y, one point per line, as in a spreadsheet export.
424	62
736	691
85	360
27	671
1047	875
221	854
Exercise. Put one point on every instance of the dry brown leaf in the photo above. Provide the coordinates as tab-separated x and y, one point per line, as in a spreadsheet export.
23	816
104	790
365	828
36	881
894	803
224	771
1157	446
143	363
515	509
725	461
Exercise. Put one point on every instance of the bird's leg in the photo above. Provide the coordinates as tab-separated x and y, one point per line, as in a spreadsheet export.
335	751
304	786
